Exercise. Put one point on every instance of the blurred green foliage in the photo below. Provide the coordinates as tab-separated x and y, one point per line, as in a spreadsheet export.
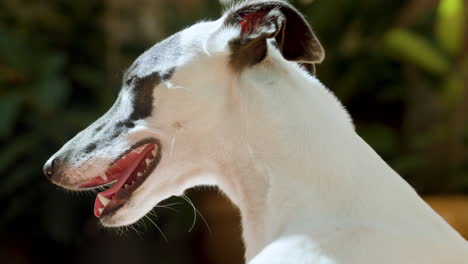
400	67
41	82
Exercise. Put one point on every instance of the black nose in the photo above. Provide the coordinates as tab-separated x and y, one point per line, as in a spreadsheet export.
49	168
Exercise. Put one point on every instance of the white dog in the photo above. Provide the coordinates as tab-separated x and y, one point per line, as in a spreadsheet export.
234	103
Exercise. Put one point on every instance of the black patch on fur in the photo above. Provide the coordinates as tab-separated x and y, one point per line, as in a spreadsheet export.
143	96
126	123
122	126
99	128
274	43
116	133
141	82
168	75
89	148
246	52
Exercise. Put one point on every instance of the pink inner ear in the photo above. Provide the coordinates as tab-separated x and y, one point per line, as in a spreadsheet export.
251	20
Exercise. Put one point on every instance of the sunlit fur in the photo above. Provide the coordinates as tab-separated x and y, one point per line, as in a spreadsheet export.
285	151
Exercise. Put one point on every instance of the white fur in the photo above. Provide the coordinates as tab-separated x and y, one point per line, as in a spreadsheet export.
285	151
281	146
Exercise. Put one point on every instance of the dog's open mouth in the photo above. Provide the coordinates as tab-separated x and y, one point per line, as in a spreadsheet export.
125	175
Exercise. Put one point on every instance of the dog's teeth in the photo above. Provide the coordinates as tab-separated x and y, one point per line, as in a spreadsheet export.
139	174
104	176
148	161
100	210
103	200
126	186
153	153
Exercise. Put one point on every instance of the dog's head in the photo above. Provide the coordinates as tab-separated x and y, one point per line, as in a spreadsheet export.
159	137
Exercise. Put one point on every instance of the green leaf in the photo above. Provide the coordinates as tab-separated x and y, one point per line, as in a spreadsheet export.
414	49
454	87
453	90
449	25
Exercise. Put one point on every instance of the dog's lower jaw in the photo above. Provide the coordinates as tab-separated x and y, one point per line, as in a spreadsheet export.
129	213
125	215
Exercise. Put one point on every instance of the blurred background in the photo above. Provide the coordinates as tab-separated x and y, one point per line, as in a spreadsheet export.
400	67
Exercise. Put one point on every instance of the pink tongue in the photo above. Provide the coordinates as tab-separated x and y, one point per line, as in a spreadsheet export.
123	177
115	171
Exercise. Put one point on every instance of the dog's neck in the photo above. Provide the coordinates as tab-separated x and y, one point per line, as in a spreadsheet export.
297	161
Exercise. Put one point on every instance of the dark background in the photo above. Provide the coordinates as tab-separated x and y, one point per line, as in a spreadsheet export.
400	68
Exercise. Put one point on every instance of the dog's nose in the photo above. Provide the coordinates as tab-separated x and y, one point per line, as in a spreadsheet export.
49	168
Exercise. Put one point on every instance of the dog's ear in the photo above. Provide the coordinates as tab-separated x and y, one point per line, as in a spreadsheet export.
276	20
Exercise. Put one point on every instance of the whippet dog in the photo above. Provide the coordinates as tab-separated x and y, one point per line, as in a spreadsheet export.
234	103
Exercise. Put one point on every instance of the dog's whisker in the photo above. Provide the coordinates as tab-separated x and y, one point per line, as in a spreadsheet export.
74	170
142	224
172	144
155	225
152	212
139	233
167	207
170	204
195	211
